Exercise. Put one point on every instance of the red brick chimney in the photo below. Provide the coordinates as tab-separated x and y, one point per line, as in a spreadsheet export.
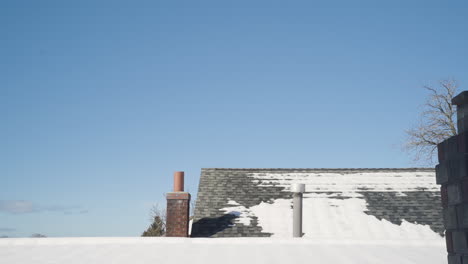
178	206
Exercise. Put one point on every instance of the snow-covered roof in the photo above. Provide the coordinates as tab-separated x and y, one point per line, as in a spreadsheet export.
362	204
214	251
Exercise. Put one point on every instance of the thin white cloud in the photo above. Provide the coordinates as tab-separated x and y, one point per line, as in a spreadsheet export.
17	206
25	207
7	229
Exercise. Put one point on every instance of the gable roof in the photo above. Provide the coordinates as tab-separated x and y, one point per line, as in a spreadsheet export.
338	203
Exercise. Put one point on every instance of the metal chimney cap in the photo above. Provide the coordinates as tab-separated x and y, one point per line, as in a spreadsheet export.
298	187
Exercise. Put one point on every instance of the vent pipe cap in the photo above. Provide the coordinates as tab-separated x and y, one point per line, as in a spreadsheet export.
298	187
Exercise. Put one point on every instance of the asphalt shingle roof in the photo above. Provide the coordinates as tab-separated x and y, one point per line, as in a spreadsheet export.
394	195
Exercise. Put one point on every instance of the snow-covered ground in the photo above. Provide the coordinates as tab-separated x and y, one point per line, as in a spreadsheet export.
220	250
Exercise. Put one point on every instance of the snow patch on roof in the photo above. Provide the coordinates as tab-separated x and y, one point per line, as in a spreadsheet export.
190	227
243	215
351	183
231	202
327	218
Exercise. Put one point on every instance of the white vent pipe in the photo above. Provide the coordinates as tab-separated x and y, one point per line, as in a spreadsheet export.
297	189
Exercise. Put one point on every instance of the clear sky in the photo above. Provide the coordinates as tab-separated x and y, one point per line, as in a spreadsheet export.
101	101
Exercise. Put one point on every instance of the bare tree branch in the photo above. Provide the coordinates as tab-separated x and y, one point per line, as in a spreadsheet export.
436	122
158	220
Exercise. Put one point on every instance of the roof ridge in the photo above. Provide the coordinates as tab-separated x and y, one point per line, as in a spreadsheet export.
328	169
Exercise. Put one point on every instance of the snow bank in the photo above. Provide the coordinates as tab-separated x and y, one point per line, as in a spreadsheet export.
213	251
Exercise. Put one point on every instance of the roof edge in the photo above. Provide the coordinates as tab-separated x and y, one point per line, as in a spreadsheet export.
323	169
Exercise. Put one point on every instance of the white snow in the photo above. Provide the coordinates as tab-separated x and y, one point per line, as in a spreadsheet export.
231	202
213	251
243	214
190	227
325	218
349	184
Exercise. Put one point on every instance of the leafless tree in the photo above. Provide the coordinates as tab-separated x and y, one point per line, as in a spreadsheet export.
156	210
158	220
436	122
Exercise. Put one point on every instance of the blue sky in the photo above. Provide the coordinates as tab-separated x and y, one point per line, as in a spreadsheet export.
101	101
